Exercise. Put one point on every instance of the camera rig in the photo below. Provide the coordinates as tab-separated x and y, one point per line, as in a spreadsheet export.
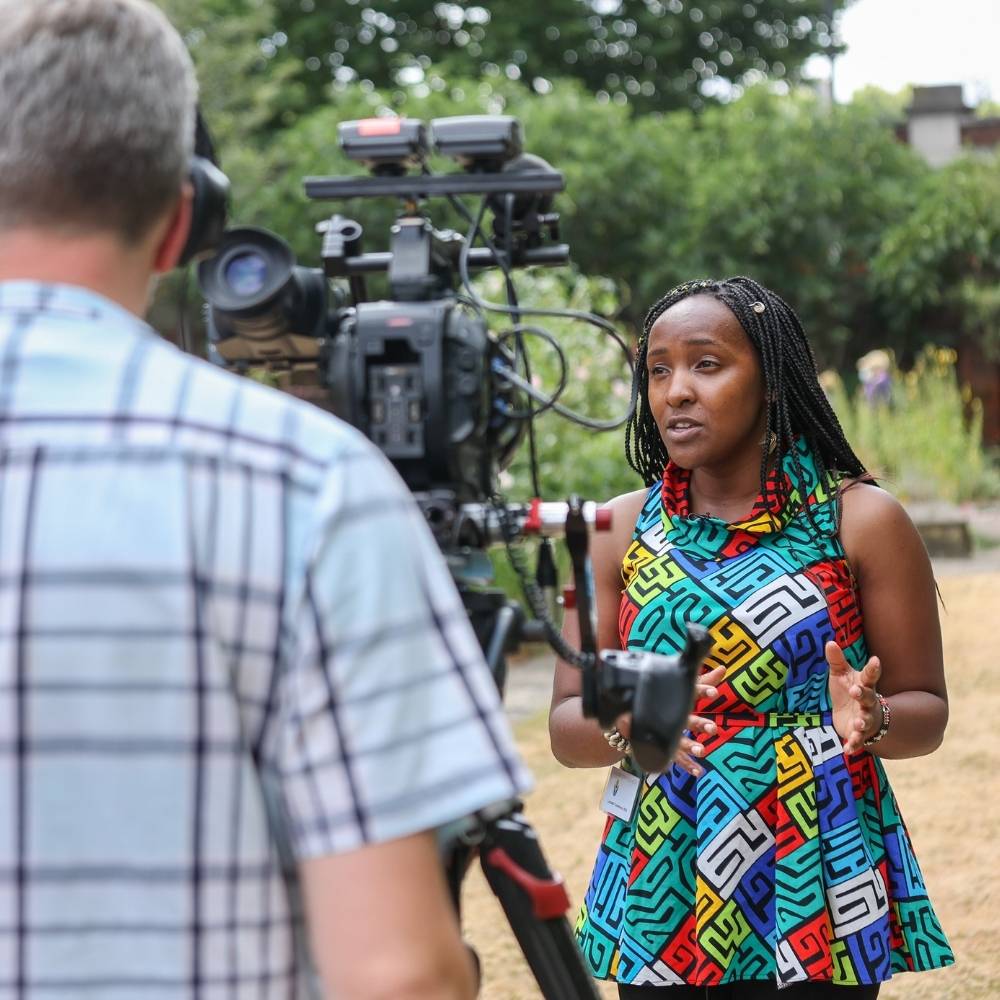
449	402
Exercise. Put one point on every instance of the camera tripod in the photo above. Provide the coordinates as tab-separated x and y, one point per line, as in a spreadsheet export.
533	898
658	692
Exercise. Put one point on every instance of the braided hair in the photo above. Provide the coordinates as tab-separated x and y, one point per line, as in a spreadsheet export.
798	407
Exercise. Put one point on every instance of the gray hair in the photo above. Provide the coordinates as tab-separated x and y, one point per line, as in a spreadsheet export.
97	122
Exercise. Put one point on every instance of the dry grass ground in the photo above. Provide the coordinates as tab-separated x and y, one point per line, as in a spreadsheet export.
949	801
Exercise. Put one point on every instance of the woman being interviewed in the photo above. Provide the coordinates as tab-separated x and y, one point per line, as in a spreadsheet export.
771	853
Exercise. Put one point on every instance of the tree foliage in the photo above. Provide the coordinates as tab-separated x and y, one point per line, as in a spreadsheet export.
652	54
243	92
824	205
782	188
940	264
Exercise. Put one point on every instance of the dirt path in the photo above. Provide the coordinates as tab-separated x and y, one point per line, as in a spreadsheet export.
950	802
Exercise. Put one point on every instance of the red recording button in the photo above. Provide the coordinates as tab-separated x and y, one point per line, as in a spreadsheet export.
379	126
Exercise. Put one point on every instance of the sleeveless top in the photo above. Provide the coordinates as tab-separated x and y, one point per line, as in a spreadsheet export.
786	860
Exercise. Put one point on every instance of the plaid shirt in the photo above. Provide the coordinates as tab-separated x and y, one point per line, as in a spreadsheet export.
227	640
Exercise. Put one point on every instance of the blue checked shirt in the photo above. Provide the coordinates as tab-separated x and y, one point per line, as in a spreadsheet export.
227	640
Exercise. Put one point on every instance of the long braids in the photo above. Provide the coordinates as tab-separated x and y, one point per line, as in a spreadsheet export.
797	405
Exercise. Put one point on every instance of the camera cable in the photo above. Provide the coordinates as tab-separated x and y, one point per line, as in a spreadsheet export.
519	310
533	593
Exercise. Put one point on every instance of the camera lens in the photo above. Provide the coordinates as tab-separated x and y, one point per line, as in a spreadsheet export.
246	273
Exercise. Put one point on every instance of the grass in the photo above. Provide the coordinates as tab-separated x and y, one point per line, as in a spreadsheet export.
949	801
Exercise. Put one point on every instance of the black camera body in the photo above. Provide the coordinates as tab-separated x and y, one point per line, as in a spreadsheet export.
416	378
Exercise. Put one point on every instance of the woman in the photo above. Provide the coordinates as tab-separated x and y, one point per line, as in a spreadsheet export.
770	859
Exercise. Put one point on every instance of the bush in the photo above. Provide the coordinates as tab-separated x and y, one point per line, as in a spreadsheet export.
925	443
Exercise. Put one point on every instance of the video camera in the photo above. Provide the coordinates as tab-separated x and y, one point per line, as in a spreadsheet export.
421	375
448	401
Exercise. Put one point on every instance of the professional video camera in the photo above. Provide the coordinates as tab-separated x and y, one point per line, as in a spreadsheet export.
448	401
419	374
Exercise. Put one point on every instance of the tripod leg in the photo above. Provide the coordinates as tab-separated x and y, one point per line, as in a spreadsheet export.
497	623
535	903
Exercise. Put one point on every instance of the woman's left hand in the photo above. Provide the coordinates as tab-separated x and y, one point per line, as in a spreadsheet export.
857	714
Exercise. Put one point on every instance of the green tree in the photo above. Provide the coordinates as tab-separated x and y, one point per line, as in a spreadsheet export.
243	91
889	106
799	196
780	187
940	264
822	204
653	54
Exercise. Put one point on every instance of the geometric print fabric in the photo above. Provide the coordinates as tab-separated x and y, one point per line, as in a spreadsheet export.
786	860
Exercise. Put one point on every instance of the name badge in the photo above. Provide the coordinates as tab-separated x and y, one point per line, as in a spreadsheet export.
621	793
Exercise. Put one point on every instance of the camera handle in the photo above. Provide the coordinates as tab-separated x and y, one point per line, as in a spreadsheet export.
658	690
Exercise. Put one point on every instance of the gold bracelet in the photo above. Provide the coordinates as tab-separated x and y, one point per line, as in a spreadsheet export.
884	727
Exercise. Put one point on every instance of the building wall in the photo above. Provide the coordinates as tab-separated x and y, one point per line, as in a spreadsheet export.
937	137
982	134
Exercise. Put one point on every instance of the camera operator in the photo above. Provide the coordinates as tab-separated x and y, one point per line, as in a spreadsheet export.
234	670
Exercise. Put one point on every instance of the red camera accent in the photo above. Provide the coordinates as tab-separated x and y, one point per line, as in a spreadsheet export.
379	126
533	522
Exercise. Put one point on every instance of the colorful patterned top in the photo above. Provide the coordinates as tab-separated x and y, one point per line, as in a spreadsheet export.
786	859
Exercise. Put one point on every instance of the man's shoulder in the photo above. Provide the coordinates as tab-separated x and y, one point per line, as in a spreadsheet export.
238	408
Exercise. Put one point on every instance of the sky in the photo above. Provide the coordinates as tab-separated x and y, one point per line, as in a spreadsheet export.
895	42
